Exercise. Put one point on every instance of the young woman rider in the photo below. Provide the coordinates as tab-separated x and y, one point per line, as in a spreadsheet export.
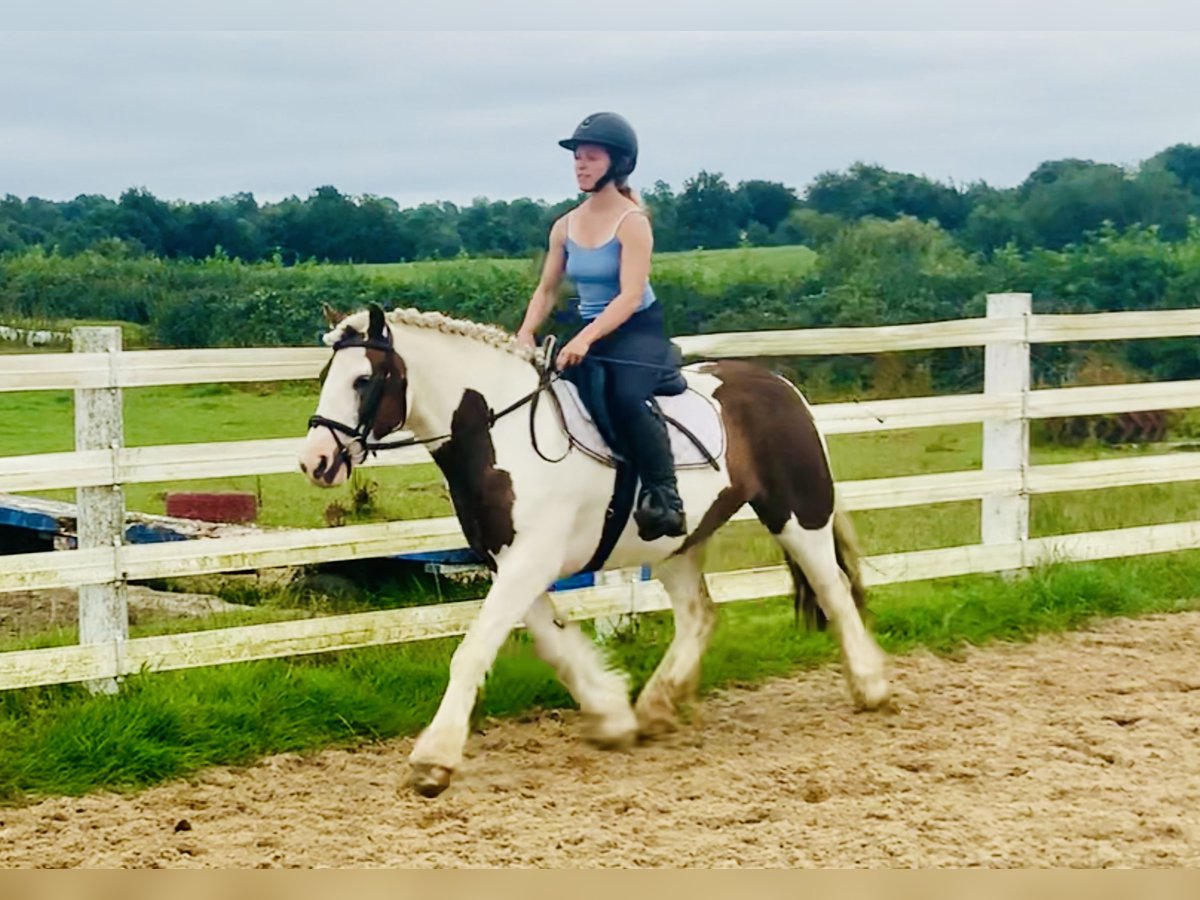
603	246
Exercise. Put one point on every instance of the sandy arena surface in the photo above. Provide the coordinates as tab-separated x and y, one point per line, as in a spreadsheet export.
1077	750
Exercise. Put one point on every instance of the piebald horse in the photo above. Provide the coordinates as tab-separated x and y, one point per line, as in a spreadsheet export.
532	505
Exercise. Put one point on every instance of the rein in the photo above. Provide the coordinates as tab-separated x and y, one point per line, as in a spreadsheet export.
629	362
545	379
547	375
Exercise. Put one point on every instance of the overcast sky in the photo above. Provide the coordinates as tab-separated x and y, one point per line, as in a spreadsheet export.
455	115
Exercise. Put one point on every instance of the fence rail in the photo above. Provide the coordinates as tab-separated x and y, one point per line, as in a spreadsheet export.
146	368
178	462
1003	485
68	569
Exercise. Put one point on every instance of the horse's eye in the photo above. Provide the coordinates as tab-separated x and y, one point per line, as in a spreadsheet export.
361	382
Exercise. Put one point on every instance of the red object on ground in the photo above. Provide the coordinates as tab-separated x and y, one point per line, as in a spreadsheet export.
223	507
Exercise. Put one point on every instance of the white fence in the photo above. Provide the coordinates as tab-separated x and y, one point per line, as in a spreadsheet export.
1004	484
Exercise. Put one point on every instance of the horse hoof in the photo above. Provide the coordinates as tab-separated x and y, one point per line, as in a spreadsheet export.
872	693
653	724
605	733
656	715
429	780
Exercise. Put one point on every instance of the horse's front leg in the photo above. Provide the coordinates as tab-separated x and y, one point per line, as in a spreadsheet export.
519	580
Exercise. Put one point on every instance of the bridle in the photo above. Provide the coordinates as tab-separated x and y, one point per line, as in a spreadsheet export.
369	409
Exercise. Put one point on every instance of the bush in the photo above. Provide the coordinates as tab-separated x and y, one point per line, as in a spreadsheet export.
870	272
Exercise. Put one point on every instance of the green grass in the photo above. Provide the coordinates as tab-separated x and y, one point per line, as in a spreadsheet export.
414	271
711	264
203	413
718	265
164	415
61	740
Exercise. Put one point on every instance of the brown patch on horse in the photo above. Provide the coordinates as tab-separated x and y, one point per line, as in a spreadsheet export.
775	458
393	405
728	502
481	493
777	464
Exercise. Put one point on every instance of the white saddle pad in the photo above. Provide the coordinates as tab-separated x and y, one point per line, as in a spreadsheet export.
691	409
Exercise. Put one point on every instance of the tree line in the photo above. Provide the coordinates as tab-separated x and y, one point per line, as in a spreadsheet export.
1059	204
872	272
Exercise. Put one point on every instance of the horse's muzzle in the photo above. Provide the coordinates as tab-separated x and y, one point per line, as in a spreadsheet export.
324	470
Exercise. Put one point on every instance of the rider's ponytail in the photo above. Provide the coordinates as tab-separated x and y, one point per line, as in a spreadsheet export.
629	193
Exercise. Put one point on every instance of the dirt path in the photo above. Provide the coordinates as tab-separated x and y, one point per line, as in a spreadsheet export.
1080	750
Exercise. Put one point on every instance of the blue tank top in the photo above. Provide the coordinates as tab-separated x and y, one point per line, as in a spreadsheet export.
596	274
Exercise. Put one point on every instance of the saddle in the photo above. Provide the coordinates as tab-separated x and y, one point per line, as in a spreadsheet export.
694	428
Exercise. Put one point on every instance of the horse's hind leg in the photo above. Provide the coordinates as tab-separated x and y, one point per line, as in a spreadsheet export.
815	552
602	693
678	673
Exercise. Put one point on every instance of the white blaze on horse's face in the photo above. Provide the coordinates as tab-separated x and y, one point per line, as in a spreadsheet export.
339	402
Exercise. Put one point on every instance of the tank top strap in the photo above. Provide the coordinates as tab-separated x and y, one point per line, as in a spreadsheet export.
623	216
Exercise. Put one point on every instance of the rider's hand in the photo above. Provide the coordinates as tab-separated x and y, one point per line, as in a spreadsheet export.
574	352
526	338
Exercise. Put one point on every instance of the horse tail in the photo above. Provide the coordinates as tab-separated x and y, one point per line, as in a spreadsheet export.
805	600
846	549
849	553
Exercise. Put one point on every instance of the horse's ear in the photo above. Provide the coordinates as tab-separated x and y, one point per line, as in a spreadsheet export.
332	316
375	328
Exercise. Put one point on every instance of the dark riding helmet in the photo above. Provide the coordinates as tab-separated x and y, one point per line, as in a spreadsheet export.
614	133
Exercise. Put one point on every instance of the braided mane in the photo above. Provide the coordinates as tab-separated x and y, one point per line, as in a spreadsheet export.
491	335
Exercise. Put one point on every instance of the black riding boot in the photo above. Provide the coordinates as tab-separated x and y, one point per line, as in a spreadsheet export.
659	511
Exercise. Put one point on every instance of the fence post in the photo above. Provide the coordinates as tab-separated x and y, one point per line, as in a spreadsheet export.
606	627
100	510
1005	517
